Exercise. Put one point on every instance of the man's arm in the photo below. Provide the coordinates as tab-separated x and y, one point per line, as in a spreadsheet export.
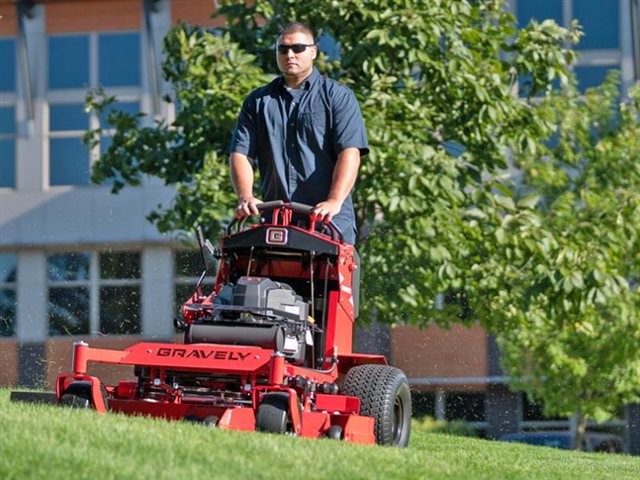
242	181
344	178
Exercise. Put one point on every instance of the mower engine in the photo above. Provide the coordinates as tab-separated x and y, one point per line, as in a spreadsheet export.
260	312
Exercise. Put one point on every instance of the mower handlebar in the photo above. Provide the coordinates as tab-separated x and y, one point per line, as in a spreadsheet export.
295	207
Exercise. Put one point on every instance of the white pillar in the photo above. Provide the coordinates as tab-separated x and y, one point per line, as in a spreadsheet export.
32	323
31	170
157	293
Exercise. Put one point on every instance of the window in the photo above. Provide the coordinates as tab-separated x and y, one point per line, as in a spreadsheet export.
423	403
68	156
94	292
591	76
538	10
119	59
600	21
7	112
68	61
465	406
188	267
69	290
7	147
120	292
77	63
7	65
8	269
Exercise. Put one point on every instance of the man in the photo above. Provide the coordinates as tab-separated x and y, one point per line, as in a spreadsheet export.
306	134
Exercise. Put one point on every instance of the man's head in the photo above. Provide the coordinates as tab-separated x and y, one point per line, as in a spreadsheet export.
295	52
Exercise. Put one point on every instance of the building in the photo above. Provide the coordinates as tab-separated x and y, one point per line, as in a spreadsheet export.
70	252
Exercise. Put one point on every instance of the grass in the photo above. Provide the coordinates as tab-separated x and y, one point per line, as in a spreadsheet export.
44	441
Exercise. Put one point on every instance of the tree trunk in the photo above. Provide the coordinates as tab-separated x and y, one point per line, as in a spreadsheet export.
578	429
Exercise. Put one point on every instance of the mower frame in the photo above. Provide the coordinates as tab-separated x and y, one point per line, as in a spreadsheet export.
250	387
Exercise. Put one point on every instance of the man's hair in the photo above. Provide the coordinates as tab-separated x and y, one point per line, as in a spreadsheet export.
296	27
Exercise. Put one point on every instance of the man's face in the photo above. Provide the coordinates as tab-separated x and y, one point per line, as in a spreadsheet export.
296	65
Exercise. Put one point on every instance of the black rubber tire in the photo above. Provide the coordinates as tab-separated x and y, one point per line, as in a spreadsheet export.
77	395
384	395
273	413
335	432
211	421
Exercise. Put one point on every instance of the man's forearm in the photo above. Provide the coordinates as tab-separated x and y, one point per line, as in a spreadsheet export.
241	175
344	174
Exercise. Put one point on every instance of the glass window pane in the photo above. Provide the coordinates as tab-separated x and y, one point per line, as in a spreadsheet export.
183	293
119	59
465	406
120	265
188	263
591	76
68	117
68	162
7	64
7	163
69	266
538	10
7	312
69	61
132	108
120	310
600	21
8	267
328	45
7	120
68	311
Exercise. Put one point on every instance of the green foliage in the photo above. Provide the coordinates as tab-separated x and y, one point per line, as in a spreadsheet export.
429	424
576	344
549	263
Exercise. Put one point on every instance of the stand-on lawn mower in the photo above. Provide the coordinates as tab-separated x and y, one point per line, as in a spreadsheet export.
269	349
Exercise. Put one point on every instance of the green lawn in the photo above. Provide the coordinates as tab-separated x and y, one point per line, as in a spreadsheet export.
43	441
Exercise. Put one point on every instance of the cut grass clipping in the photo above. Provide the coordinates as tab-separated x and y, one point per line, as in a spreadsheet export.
46	441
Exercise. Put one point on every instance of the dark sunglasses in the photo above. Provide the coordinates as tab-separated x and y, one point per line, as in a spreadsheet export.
296	47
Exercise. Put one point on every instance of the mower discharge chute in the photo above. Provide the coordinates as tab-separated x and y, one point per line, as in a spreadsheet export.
270	348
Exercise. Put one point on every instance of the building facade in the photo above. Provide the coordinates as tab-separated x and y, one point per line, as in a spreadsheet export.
79	263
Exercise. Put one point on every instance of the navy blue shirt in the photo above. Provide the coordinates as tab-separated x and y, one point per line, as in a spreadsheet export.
295	140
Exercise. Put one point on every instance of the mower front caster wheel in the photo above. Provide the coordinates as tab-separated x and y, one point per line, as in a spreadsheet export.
273	413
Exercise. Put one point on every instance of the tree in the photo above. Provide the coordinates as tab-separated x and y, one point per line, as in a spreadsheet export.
447	235
426	76
577	344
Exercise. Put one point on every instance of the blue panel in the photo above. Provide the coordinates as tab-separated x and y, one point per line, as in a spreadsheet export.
8	267
7	163
7	120
68	117
132	108
539	10
68	162
119	59
7	65
69	61
591	76
328	45
105	143
600	21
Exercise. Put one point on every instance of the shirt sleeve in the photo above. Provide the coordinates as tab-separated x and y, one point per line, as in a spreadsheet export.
348	124
244	138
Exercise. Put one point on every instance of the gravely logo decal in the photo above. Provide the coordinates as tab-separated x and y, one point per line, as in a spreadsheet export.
204	354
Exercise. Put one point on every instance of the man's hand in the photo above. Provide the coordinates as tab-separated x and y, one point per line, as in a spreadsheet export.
246	207
325	211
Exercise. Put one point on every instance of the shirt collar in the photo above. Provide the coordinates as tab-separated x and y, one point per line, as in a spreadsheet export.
306	85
